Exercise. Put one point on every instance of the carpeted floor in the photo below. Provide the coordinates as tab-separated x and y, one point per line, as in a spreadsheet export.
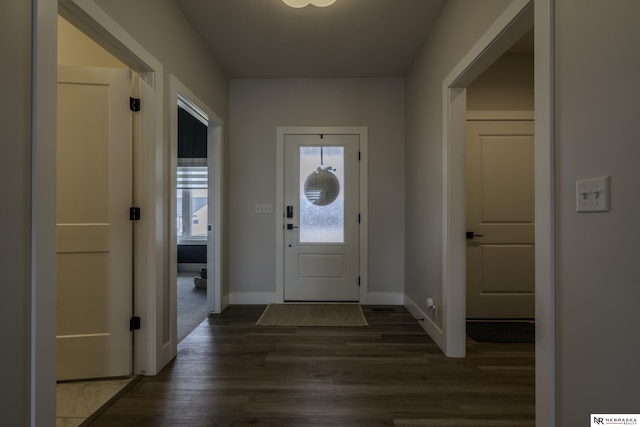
192	304
312	315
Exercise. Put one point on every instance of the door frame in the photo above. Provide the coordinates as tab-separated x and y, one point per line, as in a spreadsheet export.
281	132
151	353
179	92
514	22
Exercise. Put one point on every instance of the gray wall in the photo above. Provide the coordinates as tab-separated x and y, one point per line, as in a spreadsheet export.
15	210
507	85
27	213
598	274
258	107
443	49
161	28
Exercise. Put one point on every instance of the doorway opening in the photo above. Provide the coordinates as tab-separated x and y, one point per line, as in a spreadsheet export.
195	214
192	219
96	252
500	202
515	22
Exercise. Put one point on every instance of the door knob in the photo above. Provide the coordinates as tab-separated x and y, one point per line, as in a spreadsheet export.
291	227
471	235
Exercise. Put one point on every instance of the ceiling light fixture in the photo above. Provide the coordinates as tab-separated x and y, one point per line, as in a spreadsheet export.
303	3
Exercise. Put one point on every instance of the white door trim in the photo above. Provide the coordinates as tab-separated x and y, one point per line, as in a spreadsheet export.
178	91
40	403
545	214
151	352
279	208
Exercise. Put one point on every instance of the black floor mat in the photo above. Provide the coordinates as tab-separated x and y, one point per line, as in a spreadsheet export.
502	332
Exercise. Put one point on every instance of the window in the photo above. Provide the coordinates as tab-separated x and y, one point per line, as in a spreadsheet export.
192	202
322	223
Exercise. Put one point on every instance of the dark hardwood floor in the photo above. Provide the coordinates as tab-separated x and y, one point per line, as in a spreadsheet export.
230	372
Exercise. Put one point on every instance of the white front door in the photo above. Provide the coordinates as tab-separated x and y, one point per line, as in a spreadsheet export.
500	219
321	224
94	247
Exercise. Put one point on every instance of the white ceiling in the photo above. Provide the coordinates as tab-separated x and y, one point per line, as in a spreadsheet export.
352	38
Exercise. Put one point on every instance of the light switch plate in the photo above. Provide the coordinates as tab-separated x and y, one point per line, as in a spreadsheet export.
264	208
592	194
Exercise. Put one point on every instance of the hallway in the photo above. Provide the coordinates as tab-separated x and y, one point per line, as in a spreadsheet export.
231	372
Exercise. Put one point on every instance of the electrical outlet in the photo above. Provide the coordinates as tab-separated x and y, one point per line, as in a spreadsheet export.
432	305
592	194
264	208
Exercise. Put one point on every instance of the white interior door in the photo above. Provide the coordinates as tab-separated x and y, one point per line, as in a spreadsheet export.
94	247
500	218
321	227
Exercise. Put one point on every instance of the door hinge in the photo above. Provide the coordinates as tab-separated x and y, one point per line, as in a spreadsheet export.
134	214
134	104
358	280
358	218
359	155
134	323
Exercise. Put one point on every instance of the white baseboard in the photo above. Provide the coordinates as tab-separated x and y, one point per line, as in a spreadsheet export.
385	298
373	298
190	267
432	329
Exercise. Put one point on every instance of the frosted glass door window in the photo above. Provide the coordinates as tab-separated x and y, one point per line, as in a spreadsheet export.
322	224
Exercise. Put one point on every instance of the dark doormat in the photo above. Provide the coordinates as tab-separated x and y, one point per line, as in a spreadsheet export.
502	332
